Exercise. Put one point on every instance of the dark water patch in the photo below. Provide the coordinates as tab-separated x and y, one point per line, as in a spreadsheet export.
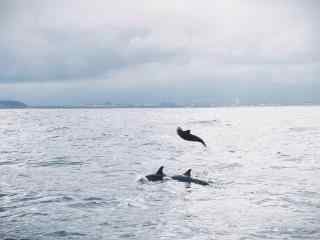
152	143
127	235
93	199
86	205
16	239
54	129
63	233
106	134
98	156
149	223
105	224
91	202
53	137
8	152
23	175
78	145
4	209
61	158
5	163
9	211
280	154
25	199
85	139
4	195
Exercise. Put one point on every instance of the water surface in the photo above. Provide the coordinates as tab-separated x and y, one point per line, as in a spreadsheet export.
75	173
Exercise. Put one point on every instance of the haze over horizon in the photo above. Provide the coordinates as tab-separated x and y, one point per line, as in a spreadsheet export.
81	52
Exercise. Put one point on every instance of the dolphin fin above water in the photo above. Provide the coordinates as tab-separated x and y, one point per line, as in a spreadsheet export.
158	176
186	135
187	173
186	177
160	171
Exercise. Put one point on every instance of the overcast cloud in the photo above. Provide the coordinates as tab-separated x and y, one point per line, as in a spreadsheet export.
79	51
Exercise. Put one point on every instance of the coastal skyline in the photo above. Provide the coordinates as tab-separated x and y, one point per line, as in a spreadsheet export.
222	52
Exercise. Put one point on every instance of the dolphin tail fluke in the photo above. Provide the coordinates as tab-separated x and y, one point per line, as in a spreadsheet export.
203	143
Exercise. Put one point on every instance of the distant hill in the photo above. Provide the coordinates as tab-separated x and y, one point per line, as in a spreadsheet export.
12	104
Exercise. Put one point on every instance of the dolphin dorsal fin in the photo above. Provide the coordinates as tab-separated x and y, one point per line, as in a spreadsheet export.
187	131
188	173
160	171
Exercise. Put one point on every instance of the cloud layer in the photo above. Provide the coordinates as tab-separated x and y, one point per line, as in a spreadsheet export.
149	51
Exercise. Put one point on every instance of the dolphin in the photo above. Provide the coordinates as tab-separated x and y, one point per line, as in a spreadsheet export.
186	135
186	177
158	176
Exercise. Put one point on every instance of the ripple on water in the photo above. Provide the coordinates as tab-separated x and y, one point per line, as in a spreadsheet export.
229	166
93	202
293	159
63	233
17	239
127	235
304	129
205	122
55	129
6	163
3	195
8	152
57	162
287	232
32	214
57	199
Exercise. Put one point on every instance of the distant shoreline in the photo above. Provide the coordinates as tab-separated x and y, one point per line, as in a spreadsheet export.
156	107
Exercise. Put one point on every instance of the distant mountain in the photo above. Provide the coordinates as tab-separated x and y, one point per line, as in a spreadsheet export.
12	104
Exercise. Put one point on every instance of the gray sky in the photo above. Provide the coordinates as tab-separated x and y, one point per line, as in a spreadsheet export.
79	51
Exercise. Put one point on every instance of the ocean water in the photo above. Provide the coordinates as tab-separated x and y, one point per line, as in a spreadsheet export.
78	174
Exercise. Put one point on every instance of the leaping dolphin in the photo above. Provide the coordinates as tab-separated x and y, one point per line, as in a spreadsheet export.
186	135
158	176
186	177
